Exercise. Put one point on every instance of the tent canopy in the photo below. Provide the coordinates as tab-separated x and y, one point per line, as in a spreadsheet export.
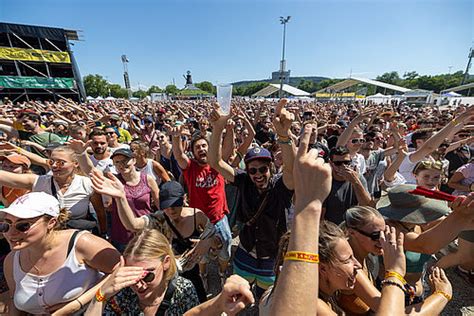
353	81
460	88
273	87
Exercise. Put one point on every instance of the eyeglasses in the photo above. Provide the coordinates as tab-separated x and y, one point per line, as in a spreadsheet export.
110	133
22	227
261	170
428	164
374	236
358	141
342	162
58	163
149	277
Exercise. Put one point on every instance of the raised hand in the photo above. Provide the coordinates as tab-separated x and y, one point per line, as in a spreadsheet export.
108	185
312	176
121	278
217	118
393	255
439	281
282	119
235	295
78	146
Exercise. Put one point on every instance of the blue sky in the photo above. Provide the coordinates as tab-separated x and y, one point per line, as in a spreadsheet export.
229	40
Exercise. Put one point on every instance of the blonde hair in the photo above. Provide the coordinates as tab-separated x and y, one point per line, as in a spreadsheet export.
61	219
151	244
70	151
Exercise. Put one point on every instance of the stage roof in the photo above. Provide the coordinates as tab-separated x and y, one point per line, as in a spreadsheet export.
51	33
273	87
353	81
460	88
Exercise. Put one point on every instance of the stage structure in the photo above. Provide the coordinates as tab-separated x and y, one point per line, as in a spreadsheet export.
36	63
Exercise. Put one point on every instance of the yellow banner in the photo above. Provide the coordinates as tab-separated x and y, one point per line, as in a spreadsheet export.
336	95
34	55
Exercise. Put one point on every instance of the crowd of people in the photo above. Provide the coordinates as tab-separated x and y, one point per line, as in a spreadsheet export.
303	208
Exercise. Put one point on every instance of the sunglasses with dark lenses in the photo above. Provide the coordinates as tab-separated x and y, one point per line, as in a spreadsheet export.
358	141
110	133
343	162
22	227
262	170
58	163
374	236
149	277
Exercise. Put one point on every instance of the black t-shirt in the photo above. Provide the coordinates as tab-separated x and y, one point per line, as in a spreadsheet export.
340	199
271	224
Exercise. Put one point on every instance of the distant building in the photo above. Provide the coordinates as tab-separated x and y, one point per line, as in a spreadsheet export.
276	77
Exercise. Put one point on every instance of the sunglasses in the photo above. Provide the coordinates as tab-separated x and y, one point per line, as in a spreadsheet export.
58	163
358	141
149	277
22	227
374	236
262	170
343	162
110	133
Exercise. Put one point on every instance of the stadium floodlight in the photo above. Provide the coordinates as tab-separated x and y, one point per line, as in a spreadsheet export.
283	21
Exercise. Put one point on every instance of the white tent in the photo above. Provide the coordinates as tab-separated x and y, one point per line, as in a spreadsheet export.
99	98
89	98
273	87
451	94
110	98
379	98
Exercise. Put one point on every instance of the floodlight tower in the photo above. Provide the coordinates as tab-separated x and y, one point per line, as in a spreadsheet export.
466	73
283	21
125	75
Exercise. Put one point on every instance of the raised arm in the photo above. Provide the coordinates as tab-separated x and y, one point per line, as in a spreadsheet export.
229	141
282	123
312	185
9	130
218	121
344	138
80	148
389	174
15	180
178	150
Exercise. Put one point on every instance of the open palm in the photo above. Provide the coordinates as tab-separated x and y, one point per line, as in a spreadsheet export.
108	185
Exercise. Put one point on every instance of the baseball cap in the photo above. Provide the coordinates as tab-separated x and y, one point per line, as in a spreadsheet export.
124	152
257	153
52	146
114	117
342	123
32	205
17	160
171	194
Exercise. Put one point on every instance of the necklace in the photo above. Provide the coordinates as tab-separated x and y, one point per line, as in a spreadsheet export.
33	265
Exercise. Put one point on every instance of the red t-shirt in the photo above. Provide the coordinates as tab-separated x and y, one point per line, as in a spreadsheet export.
206	190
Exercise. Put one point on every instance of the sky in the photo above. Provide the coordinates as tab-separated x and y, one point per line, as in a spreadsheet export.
228	40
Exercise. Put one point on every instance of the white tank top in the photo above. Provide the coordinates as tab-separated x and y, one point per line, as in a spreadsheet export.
35	293
148	169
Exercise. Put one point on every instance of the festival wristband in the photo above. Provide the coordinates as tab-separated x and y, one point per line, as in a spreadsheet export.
99	296
446	295
396	275
285	142
388	282
302	256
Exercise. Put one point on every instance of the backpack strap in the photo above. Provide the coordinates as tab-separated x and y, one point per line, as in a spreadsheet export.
165	304
71	242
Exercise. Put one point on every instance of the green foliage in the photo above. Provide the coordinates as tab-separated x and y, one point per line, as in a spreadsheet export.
206	86
391	77
413	80
171	89
248	90
154	89
307	85
95	86
139	94
117	91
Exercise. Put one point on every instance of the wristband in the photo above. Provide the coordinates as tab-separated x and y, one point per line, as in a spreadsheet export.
283	137
454	121
99	296
396	275
18	150
82	306
285	142
446	295
388	282
302	256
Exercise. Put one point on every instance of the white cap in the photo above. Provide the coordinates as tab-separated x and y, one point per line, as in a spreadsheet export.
32	205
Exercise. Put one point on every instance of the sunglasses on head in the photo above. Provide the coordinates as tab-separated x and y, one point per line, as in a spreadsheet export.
358	141
343	162
262	170
22	227
374	236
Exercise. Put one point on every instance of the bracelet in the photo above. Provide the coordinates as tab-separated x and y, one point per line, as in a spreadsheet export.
283	137
82	306
99	296
446	295
396	275
18	150
454	121
470	187
388	282
302	256
285	142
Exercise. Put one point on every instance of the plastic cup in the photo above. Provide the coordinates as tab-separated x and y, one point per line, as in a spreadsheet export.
224	95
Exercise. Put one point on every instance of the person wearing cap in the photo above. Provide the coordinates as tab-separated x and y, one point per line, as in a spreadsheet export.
125	136
140	189
206	190
16	164
264	198
190	231
43	256
112	135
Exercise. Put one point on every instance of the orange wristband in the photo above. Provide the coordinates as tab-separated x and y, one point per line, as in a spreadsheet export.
99	296
302	256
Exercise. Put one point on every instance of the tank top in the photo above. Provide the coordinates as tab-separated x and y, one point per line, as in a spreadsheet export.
138	197
182	244
148	169
35	293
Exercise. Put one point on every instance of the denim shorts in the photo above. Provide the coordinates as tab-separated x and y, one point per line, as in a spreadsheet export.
225	236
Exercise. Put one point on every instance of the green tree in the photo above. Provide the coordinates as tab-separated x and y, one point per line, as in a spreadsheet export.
253	87
154	89
206	86
139	94
117	91
306	85
171	89
95	86
390	77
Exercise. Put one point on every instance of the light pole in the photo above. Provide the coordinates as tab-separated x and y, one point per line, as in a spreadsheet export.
126	78
283	21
